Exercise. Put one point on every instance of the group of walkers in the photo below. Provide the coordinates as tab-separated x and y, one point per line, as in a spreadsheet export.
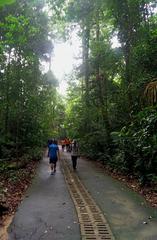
66	143
54	155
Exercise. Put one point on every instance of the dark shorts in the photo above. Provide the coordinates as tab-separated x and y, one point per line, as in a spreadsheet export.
53	160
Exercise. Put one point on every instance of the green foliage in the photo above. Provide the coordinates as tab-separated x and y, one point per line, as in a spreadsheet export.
13	162
136	146
95	146
107	92
30	107
4	2
104	92
34	153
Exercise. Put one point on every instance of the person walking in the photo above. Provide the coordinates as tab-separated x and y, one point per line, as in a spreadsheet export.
67	142
53	154
63	143
74	153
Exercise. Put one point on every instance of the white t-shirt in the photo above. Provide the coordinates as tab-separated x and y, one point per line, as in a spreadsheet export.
75	150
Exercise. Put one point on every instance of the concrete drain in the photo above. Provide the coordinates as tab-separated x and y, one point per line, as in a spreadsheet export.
93	224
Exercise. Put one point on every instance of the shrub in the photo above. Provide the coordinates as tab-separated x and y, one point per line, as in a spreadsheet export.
137	146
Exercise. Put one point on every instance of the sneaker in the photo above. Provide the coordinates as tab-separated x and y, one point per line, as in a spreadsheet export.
52	173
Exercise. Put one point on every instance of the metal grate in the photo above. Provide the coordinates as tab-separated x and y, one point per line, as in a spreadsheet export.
93	224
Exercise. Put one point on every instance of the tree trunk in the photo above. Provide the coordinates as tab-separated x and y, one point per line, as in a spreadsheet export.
102	84
7	96
85	42
85	48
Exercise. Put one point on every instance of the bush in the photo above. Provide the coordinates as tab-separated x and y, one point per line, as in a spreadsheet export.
137	146
94	145
35	153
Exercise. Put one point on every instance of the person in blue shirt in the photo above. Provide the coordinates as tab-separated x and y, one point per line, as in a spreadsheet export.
53	154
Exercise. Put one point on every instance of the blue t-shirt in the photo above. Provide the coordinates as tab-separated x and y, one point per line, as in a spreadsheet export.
53	148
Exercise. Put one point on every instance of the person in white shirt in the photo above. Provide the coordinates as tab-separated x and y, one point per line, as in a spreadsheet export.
74	153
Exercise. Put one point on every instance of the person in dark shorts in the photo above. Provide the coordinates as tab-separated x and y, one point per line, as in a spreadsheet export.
53	154
74	153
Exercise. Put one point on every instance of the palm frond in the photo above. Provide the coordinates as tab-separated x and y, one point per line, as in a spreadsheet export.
150	93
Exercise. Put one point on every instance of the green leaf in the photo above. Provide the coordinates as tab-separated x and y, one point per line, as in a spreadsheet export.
4	2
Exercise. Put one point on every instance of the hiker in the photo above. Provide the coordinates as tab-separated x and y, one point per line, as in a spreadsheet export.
70	145
68	142
74	153
49	142
53	154
63	144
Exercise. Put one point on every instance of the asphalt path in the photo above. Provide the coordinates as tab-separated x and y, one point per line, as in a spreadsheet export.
47	211
127	213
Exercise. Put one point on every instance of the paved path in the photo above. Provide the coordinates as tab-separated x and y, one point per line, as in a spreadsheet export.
48	213
125	210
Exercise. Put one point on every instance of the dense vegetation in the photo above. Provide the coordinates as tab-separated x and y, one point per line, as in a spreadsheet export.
30	107
112	96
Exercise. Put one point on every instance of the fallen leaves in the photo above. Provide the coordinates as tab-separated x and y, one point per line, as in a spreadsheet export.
148	192
13	185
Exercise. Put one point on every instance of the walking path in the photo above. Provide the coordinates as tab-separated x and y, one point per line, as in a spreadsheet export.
48	212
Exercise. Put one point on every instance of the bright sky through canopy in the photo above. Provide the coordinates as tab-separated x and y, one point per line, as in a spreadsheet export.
66	56
62	64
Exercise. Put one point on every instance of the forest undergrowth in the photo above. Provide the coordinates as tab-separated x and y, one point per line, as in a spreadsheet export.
13	185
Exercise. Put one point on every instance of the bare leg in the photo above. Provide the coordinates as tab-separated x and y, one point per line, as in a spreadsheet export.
52	167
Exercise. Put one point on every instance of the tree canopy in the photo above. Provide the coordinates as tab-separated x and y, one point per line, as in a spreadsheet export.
111	104
111	99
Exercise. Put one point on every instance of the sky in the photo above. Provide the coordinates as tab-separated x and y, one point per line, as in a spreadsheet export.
65	56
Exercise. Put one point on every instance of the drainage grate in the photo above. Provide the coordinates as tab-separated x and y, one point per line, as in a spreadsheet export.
93	224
